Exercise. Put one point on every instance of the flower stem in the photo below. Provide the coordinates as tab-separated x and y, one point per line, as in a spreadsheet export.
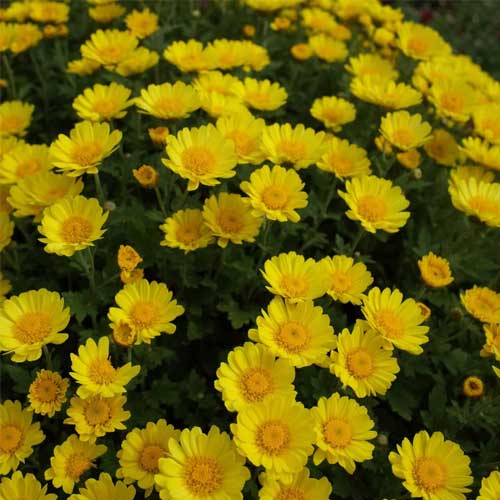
160	201
48	357
98	188
91	271
10	75
359	237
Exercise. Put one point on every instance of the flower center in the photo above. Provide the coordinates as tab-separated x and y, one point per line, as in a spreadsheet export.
10	124
360	364
341	282
76	230
150	456
188	233
291	493
258	98
46	391
486	303
198	160
255	384
10	438
144	315
76	464
33	327
337	433
437	271
418	46
273	437
101	371
243	143
97	411
203	476
293	150
105	107
429	474
169	106
390	324
111	54
483	205
372	208
294	286
87	154
274	197
452	102
293	337
27	168
342	166
229	221
403	137
331	115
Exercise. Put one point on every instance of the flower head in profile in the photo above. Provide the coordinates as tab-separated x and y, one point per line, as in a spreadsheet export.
485	122
139	61
47	393
481	152
373	65
109	47
405	131
442	148
328	49
333	112
24	161
158	135
421	42
106	13
492	341
435	271
82	67
21	487
344	159
188	56
263	95
482	303
142	23
15	117
385	93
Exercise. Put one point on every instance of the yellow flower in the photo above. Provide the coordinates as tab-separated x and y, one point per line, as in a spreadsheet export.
71	460
405	131
140	452
6	230
421	42
18	435
435	271
280	23
301	51
383	145
328	49
24	161
293	277
138	61
385	93
230	219
343	429
473	387
49	12
71	225
188	56
277	434
431	467
486	124
260	94
107	12
25	36
216	104
464	173
123	334
249	30
95	416
481	152
15	117
202	155
148	307
442	148
317	20
168	101
47	393
300	333
492	345
410	159
86	147
18	486
333	112
82	67
186	230
275	193
482	303
104	488
5	206
215	81
158	134
398	321
362	363
490	487
93	370
128	258
344	159
452	99
425	310
251	375
371	65
128	277
109	47
226	54
142	23
202	466
31	320
8	143
147	176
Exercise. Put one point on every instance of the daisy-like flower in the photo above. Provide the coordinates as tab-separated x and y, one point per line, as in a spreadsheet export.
251	375
202	466
293	277
127	258
333	112
202	155
167	101
347	280
301	51
300	333
473	387
188	56
18	435
82	67
260	94
139	61
421	42
343	429
6	231
142	23
104	487
26	35
47	393
148	307
405	131
275	193
8	143
481	152
93	370
24	161
464	173
158	135
432	467
103	102
362	363
277	434
31	320
435	271
492	344
453	99
72	224
328	49
398	321
84	150
19	487
442	148
344	159
298	146
216	81
490	486
140	452
226	54
230	219
486	124
482	303
95	416
109	47
217	105
107	12
15	117
71	460
374	65
385	93
376	203
147	176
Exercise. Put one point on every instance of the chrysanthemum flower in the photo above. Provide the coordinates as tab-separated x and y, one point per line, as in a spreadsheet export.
421	42
473	387
333	112
453	99
19	487
201	155
31	320
481	152
186	230
371	65
93	370
301	51
490	486
376	203
251	375
188	56
300	333
72	224
71	460
148	307
486	123
82	67
8	143
442	148
5	206
167	101
158	134
275	193
482	303
129	277
86	147
344	159
47	393
216	81
95	416
226	54
15	117
26	35
217	105
142	23
107	12
385	93
140	452
343	429
139	61
202	466
103	102
362	363
230	219
492	344
299	146
405	131
109	47
127	258
104	488
23	161
397	320
277	434
147	176
435	271
6	230
328	49
263	95
293	277
18	435
432	467
49	12
463	173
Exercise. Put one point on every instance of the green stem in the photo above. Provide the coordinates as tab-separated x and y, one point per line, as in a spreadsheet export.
91	270
359	237
160	202
10	76
98	188
43	83
48	357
